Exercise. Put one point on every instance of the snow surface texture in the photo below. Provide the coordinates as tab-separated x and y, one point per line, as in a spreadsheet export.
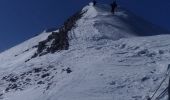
106	60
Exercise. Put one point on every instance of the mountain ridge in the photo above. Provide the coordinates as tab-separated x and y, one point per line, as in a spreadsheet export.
95	55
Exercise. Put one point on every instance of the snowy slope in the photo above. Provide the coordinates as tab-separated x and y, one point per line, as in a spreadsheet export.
106	60
96	22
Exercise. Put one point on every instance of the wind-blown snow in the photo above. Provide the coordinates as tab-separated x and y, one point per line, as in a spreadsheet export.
106	60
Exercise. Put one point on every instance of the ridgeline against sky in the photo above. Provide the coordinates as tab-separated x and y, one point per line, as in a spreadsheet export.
22	19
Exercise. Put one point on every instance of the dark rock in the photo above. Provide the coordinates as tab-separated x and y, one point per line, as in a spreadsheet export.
161	52
11	87
27	60
144	79
37	70
40	82
143	52
48	86
45	70
10	78
45	75
13	79
16	55
59	40
28	80
1	94
68	70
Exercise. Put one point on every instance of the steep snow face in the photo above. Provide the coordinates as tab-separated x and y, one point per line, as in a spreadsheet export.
106	60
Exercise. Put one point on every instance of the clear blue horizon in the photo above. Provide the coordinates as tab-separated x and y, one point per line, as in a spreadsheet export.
23	19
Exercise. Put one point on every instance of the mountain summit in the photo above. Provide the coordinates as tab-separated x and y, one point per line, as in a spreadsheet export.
94	55
98	22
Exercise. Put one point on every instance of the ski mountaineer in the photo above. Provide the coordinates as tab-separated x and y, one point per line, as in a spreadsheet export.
113	6
94	2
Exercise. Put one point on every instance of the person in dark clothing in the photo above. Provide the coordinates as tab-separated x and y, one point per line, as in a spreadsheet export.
113	7
94	2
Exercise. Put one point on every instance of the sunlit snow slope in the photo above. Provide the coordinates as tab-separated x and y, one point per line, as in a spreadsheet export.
106	60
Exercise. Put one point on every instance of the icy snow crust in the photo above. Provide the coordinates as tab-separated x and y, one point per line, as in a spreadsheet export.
106	58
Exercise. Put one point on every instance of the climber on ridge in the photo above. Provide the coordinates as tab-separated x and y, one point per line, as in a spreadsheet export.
94	2
113	6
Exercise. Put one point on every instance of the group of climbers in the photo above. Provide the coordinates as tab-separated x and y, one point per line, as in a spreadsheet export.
113	5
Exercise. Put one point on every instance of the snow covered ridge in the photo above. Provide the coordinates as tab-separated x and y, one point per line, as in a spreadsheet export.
99	23
95	55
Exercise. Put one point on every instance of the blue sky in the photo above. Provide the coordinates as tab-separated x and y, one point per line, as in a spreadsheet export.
22	19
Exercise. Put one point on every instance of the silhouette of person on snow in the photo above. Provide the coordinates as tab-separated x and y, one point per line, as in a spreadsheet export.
94	2
113	6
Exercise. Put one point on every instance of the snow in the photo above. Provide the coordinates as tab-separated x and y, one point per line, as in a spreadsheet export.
17	55
25	95
97	20
107	58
